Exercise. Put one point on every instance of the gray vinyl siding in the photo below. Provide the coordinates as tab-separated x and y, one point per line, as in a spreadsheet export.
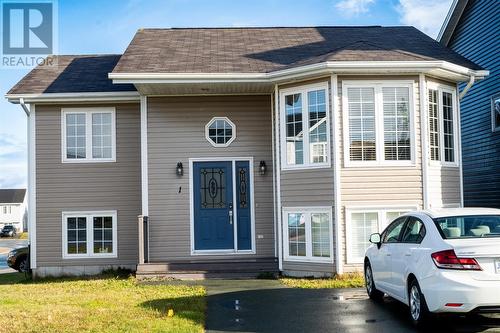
379	186
86	187
176	133
309	188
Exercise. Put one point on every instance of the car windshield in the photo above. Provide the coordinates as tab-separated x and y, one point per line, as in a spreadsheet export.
474	226
8	227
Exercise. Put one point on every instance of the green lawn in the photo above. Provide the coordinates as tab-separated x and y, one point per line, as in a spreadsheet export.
354	280
101	304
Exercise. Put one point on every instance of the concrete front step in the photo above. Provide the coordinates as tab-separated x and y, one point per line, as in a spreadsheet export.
209	269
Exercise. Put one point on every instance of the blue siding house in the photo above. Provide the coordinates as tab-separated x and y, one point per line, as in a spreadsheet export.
472	28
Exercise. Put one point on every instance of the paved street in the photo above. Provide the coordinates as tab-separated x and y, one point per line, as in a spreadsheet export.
7	244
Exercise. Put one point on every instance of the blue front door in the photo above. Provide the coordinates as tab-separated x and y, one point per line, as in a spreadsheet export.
213	206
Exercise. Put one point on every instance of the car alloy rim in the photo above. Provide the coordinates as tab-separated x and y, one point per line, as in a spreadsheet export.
23	266
368	278
415	303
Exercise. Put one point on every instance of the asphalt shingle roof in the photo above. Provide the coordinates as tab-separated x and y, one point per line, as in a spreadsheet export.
73	73
262	50
12	195
234	50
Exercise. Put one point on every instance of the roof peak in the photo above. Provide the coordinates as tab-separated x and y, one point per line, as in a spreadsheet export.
274	27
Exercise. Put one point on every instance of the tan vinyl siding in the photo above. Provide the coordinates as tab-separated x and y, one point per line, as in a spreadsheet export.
176	133
444	187
309	187
86	186
380	186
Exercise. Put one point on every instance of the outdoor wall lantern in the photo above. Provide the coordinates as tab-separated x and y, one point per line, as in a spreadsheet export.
179	170
262	168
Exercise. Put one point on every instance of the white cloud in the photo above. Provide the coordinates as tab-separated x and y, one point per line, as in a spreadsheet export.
13	162
354	7
426	15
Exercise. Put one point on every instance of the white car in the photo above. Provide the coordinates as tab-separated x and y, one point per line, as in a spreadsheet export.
438	261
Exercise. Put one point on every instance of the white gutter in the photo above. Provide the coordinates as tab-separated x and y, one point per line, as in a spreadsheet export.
326	68
472	79
74	97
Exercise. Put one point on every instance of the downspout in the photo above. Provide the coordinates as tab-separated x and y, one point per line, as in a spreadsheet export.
25	108
472	79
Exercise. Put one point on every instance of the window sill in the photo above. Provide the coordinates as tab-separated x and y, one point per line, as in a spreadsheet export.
77	161
309	260
307	167
409	164
92	256
221	252
436	164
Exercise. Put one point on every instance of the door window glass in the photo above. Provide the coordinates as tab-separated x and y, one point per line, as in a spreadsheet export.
213	187
414	231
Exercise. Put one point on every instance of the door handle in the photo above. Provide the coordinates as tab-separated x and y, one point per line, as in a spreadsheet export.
408	254
230	213
388	254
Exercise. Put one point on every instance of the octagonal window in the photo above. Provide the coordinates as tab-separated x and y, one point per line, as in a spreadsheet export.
220	132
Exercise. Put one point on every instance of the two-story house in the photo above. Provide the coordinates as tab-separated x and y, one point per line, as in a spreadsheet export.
243	150
472	30
13	208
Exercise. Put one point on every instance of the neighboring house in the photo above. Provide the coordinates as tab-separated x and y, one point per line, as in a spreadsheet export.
244	149
13	208
472	30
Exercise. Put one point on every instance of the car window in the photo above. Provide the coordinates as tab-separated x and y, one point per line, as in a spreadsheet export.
414	231
471	226
391	234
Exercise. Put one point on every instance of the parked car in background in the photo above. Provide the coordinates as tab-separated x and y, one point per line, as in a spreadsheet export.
438	261
18	259
8	231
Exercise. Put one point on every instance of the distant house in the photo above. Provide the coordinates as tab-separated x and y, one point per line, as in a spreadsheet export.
471	29
245	150
13	208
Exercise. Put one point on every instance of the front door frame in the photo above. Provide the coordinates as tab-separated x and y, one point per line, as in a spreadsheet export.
233	161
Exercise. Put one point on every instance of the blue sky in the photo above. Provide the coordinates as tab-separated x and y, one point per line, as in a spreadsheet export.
97	26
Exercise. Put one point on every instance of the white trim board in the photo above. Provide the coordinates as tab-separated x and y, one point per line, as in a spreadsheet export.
32	186
336	144
367	67
234	251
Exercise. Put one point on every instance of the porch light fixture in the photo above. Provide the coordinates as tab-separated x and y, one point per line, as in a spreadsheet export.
179	170
262	168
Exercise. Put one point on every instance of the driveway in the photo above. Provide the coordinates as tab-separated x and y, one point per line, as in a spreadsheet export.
7	244
267	306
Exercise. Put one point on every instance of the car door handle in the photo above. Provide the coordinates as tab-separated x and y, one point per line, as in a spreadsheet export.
388	254
408	254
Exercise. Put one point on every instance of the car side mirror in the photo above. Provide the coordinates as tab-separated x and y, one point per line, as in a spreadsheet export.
375	239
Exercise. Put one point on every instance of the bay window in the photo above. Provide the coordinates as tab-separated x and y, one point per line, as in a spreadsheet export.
308	234
305	128
88	135
378	123
442	124
362	222
89	234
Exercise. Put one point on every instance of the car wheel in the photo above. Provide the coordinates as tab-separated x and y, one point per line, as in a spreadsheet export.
372	291
23	265
419	312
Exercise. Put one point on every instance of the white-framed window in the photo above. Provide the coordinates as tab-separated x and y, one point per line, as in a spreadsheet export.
308	234
88	134
495	112
305	127
220	131
378	121
442	124
362	222
89	234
